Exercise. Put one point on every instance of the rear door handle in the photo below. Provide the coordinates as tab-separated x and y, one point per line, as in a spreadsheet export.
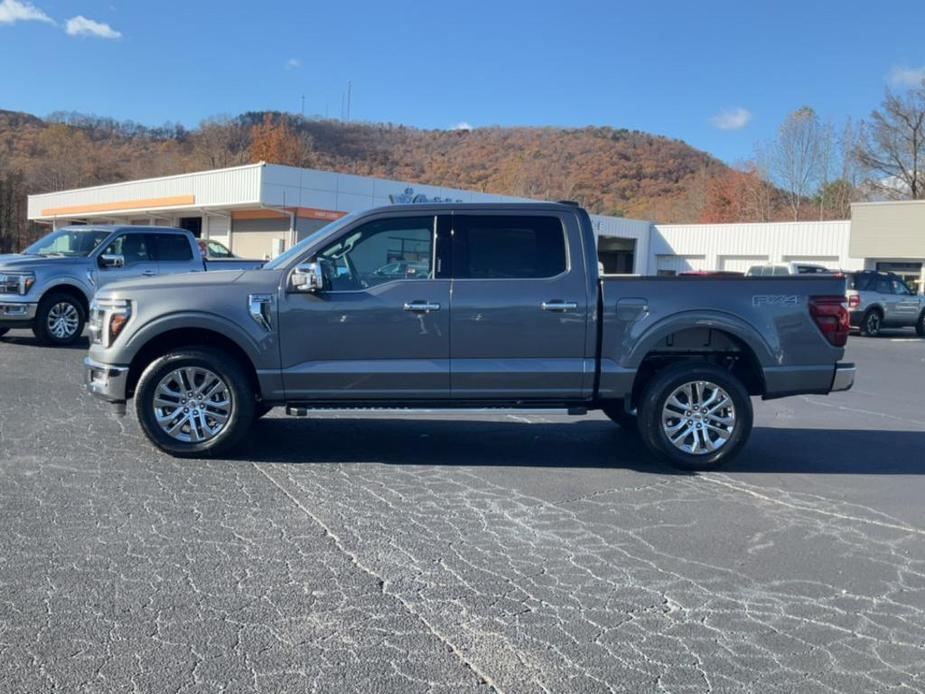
559	306
149	273
421	306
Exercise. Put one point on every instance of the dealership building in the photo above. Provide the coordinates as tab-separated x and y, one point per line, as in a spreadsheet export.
259	210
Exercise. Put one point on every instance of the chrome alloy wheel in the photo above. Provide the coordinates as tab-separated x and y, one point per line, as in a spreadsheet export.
192	404
63	320
699	417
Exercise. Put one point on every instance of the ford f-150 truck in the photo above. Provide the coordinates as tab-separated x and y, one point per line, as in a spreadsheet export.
48	287
464	306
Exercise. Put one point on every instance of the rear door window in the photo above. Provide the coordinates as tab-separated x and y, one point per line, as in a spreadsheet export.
508	247
884	285
172	247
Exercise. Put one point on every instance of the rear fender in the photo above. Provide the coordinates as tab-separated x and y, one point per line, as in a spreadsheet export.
767	353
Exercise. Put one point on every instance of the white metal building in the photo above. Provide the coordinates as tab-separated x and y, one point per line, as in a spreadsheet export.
261	209
737	247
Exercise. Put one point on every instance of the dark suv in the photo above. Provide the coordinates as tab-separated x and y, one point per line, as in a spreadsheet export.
882	300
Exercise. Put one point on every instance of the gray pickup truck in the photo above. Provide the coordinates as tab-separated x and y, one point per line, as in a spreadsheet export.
48	287
464	306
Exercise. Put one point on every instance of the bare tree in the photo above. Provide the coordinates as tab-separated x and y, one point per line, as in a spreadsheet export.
221	142
795	157
892	145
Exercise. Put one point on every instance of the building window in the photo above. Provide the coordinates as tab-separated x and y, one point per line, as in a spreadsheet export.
192	225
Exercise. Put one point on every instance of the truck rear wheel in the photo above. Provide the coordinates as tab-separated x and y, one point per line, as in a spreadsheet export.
695	416
195	402
870	323
59	320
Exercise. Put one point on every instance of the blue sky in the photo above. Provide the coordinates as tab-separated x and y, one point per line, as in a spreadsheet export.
719	75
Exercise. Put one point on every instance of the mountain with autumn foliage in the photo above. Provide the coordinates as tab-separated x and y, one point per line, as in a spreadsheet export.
609	170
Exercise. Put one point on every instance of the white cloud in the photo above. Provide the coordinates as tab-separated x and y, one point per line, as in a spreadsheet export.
905	76
462	125
12	11
293	64
731	119
81	26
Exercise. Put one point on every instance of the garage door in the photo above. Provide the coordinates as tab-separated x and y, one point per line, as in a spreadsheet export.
740	263
830	261
673	264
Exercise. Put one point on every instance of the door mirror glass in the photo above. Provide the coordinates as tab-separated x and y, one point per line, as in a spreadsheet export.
109	261
307	277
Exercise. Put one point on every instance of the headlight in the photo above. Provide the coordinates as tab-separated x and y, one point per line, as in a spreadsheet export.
16	282
108	318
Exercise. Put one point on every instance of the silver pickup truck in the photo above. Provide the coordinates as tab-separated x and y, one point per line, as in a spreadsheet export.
48	287
464	306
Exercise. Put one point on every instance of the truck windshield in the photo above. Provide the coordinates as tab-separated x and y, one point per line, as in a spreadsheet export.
284	259
68	242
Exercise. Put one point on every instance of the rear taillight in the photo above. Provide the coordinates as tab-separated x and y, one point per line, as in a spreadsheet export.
854	301
831	316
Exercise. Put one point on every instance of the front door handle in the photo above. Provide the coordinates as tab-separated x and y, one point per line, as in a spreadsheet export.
422	306
559	306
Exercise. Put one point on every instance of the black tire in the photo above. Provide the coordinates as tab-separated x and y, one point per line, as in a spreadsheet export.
655	396
618	415
58	301
236	381
919	327
871	323
4	331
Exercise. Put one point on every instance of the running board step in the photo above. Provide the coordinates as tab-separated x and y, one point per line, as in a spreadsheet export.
299	411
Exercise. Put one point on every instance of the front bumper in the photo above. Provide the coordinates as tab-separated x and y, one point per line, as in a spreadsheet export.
107	382
16	314
844	377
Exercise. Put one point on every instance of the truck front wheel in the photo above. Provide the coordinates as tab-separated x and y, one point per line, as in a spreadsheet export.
195	402
695	416
59	320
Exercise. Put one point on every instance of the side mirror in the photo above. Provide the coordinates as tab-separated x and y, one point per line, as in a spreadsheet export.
307	277
108	261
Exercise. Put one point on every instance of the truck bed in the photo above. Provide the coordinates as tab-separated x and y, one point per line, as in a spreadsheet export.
766	319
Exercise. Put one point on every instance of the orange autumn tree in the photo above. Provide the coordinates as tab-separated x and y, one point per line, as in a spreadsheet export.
739	195
276	141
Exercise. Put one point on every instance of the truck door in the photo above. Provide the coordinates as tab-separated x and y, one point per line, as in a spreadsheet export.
379	330
519	311
136	249
907	303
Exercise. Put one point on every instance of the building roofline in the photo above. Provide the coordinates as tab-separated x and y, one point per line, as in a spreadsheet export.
888	202
451	206
754	224
154	179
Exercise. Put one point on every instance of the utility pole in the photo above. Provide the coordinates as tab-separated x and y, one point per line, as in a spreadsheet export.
303	106
349	88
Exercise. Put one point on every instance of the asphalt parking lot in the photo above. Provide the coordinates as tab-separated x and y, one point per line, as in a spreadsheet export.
426	553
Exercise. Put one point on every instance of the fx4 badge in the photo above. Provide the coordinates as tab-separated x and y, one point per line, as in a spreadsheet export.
775	300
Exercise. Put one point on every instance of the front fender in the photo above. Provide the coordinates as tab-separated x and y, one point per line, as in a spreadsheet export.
47	283
258	350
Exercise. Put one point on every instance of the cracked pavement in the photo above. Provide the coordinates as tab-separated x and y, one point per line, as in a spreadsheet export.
426	553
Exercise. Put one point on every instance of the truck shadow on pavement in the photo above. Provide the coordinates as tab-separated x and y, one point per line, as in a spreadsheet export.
451	442
580	444
81	345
